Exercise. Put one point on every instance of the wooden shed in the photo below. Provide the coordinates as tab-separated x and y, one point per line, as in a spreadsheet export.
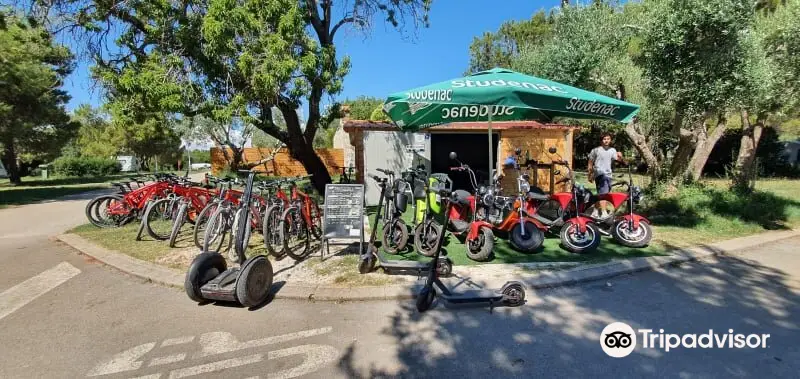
382	145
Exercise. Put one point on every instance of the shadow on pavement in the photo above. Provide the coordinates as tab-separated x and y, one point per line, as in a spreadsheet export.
557	333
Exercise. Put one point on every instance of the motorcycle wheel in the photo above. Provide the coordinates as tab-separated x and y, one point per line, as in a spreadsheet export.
394	236
426	236
532	240
481	248
580	243
623	234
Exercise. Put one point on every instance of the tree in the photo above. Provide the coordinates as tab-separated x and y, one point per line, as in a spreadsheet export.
229	138
497	49
235	60
33	122
774	65
361	107
96	136
379	115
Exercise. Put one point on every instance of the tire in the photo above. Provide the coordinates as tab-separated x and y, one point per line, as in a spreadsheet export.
579	244
241	238
366	266
215	231
92	212
425	299
204	267
640	238
316	219
177	223
272	232
444	268
532	240
201	222
394	237
457	226
256	277
160	211
513	294
481	249
426	236
293	225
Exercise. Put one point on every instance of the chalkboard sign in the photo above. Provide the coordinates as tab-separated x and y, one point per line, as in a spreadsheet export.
343	216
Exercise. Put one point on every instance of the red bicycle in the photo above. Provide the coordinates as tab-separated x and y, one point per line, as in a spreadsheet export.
119	209
299	222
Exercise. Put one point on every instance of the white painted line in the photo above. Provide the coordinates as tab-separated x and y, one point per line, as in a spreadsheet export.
16	297
316	357
215	366
177	341
168	359
124	361
224	342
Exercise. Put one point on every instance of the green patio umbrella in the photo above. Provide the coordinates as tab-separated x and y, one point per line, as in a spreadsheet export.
500	95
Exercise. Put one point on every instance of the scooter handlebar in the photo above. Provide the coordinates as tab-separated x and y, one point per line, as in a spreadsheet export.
387	172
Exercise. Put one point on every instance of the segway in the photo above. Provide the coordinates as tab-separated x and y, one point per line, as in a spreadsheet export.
209	278
371	255
511	294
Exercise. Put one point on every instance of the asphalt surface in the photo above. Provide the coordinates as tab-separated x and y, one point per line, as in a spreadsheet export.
62	315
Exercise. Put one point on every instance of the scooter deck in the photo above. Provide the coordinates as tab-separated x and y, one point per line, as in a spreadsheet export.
472	296
222	287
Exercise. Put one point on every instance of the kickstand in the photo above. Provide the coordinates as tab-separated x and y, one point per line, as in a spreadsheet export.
491	306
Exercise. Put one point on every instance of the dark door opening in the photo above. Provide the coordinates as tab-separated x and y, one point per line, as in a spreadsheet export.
472	150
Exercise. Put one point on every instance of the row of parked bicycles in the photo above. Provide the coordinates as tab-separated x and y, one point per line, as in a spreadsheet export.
578	217
287	217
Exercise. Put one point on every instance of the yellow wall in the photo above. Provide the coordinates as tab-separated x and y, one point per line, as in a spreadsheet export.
536	142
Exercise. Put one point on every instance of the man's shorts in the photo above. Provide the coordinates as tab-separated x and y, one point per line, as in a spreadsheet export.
603	183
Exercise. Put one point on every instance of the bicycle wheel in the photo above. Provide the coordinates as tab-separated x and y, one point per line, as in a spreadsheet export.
272	231
159	218
316	220
295	234
180	219
200	223
216	229
107	211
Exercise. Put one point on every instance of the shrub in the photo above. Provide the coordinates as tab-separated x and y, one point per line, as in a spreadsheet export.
86	166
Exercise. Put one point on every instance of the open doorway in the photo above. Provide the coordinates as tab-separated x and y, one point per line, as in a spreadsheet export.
472	150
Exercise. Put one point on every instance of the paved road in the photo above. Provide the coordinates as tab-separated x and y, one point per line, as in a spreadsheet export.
62	315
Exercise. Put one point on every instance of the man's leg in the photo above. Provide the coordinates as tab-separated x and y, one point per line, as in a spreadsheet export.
603	184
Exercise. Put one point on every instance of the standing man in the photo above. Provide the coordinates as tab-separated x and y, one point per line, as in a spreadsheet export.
600	159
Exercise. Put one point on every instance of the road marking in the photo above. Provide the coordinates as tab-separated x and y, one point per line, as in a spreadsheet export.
215	366
316	357
151	376
18	296
224	342
168	359
124	361
177	341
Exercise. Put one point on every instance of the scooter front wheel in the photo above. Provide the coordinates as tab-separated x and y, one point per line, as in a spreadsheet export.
425	299
367	265
624	233
480	249
579	242
513	294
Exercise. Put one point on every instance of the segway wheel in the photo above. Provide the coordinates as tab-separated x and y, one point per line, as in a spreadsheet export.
513	294
425	299
254	281
367	265
204	267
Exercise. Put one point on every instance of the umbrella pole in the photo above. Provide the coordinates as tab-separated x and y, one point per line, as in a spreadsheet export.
491	149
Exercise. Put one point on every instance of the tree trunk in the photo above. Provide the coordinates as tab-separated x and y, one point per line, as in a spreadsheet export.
640	143
10	158
680	161
751	134
705	145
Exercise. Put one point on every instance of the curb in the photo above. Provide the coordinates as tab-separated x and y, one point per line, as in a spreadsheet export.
173	278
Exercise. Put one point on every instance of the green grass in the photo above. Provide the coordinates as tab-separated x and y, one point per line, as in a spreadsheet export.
698	214
37	189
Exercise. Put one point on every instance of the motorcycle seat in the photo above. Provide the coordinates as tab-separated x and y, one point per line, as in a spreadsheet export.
537	194
461	197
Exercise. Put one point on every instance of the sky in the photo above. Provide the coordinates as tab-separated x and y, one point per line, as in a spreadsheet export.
384	61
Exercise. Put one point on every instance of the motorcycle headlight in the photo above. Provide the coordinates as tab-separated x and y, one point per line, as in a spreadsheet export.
488	199
524	187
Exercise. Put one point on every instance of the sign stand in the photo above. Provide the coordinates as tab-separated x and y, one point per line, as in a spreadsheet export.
343	216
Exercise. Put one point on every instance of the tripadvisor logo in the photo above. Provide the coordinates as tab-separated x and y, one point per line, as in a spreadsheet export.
619	339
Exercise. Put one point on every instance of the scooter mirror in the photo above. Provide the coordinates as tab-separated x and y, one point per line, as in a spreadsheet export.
453	155
518	151
552	150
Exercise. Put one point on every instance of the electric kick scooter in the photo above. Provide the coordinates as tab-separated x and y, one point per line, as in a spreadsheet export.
511	294
372	255
209	278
